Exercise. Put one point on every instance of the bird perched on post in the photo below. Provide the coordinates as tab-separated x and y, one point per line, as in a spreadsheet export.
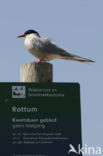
45	50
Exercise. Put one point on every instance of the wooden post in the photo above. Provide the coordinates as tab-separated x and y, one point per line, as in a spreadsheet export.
33	72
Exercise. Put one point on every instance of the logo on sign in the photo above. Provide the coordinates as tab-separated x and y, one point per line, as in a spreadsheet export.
18	92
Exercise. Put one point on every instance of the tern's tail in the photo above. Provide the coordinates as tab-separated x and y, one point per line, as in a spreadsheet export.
76	58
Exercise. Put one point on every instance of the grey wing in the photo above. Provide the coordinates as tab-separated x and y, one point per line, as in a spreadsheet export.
53	49
58	52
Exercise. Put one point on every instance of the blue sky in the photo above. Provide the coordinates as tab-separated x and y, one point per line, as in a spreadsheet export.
76	25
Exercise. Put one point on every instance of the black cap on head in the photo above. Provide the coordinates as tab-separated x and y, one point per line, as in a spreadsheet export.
31	32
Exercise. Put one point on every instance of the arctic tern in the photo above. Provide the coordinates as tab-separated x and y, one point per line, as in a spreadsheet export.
45	50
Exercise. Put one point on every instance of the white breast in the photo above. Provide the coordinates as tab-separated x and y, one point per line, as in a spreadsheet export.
31	43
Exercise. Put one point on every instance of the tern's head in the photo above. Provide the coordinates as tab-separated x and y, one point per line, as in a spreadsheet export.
29	32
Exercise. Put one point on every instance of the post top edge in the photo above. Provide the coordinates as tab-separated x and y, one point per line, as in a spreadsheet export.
41	63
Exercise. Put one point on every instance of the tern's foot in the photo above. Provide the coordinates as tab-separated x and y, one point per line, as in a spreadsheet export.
38	61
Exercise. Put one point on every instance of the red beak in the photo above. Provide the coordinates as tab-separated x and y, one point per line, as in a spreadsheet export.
20	36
